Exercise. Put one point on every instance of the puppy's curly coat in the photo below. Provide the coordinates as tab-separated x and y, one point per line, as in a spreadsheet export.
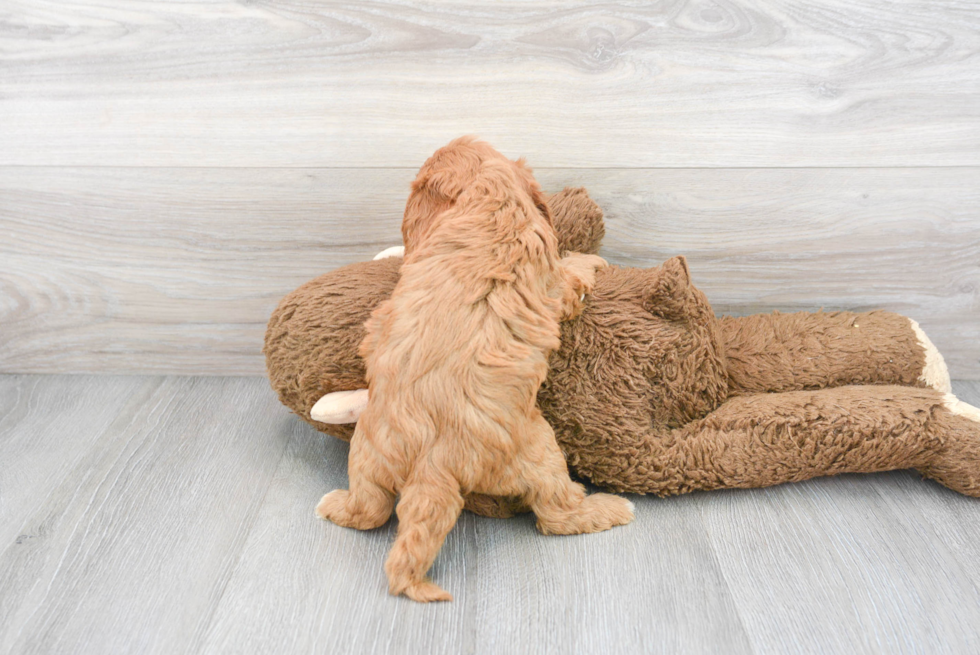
454	361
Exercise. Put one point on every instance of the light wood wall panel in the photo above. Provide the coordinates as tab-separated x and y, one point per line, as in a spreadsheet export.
176	270
572	84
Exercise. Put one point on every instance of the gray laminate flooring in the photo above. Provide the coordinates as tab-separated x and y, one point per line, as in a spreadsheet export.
175	515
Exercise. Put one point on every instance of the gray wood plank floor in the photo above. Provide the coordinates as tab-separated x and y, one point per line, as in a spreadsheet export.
175	515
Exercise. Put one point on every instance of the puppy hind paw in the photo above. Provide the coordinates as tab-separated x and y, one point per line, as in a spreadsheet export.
608	510
339	507
333	506
597	513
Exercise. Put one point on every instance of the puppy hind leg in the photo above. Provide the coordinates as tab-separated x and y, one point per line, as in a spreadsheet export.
561	504
427	511
368	504
365	506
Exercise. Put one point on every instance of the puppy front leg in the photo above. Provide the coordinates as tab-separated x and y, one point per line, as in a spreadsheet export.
427	511
578	279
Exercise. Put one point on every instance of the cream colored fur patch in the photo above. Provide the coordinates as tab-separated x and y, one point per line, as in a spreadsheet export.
340	407
960	408
394	251
934	373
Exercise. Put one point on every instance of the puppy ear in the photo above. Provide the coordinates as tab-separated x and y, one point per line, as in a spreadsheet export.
537	195
541	203
430	196
444	183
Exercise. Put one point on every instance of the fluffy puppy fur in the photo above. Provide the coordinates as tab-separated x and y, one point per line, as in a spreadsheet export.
441	180
454	361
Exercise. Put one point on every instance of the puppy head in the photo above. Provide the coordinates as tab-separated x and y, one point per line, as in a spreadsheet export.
444	177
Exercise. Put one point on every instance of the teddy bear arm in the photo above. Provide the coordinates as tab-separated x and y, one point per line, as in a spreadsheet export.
761	440
786	352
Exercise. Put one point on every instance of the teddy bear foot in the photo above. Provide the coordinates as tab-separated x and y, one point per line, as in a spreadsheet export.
958	464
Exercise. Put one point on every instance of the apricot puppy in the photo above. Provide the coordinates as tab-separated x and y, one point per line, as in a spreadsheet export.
454	361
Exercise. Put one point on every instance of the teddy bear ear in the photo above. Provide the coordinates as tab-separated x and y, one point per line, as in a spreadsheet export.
668	290
676	269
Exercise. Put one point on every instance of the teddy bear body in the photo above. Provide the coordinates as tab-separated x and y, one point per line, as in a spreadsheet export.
651	393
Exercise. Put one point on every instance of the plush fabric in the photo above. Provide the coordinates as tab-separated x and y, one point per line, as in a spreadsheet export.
651	393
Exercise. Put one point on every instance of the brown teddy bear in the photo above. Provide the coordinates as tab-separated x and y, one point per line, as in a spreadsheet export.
651	393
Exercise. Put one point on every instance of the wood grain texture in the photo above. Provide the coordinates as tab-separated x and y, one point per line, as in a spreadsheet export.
179	519
42	416
129	270
130	551
583	84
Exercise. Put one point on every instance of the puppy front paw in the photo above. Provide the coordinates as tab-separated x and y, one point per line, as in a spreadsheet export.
579	276
580	271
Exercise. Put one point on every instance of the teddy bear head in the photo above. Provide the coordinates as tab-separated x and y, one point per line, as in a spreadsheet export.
644	356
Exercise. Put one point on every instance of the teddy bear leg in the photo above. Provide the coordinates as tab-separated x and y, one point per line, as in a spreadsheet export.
956	462
340	407
761	440
771	438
